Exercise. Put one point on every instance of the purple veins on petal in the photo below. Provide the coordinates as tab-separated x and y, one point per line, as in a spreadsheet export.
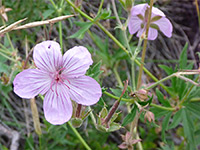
138	22
60	78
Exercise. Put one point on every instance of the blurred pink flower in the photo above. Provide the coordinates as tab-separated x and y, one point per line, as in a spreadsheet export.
138	22
61	78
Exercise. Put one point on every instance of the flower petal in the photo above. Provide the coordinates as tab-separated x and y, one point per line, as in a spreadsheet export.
31	82
139	9
165	26
134	24
156	12
76	61
47	56
84	90
57	105
153	33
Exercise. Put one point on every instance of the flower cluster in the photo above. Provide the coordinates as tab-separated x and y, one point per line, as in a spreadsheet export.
60	78
139	18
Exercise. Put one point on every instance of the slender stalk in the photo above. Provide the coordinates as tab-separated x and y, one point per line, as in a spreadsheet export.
197	7
100	7
79	136
59	11
54	5
8	37
188	92
115	12
116	97
196	99
92	116
160	81
144	46
133	74
40	142
6	52
117	75
60	36
2	54
137	50
162	107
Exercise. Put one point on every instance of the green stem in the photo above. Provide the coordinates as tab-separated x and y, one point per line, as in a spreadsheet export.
60	36
2	54
144	46
117	98
117	75
54	5
137	50
197	8
160	81
133	74
40	142
92	116
162	107
100	7
188	92
61	3
8	37
59	11
6	52
196	99
79	136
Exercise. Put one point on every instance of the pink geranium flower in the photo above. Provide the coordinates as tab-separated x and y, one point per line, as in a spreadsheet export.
138	22
60	78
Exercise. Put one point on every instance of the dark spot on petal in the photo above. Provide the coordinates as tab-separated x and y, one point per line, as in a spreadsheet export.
49	46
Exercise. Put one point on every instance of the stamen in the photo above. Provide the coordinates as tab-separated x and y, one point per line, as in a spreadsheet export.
60	70
51	85
56	88
49	46
65	84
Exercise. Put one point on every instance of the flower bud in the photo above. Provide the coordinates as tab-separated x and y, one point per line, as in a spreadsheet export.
128	5
76	122
142	94
109	126
149	116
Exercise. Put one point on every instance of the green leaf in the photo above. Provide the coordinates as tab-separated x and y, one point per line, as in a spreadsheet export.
197	137
183	57
158	112
129	118
161	99
165	124
95	71
105	13
48	13
167	69
188	127
113	127
176	119
80	33
116	92
194	108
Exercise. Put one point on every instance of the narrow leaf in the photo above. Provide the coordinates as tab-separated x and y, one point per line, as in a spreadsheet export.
129	118
161	99
183	57
176	119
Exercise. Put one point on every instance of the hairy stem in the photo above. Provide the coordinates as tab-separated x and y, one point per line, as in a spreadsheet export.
79	136
144	46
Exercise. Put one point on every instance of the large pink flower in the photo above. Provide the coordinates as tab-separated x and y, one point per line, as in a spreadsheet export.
138	22
60	78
